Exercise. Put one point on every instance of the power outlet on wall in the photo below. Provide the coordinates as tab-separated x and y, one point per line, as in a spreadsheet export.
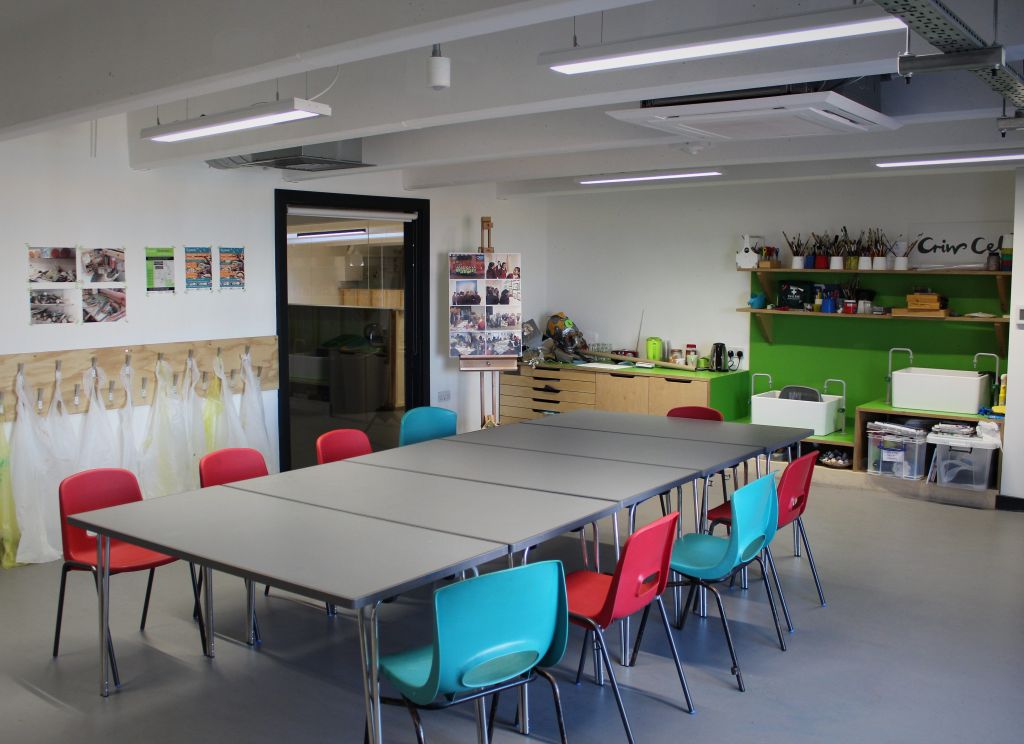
444	395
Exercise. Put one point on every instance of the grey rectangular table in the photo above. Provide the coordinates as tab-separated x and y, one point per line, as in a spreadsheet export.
517	517
622	482
769	438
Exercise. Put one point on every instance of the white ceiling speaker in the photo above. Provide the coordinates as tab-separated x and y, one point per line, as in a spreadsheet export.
439	69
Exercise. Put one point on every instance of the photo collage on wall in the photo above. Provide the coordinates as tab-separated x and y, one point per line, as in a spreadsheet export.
76	285
485	315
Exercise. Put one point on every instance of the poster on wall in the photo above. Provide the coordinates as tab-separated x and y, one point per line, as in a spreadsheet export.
198	268
52	306
485	304
52	265
101	265
106	305
159	271
232	267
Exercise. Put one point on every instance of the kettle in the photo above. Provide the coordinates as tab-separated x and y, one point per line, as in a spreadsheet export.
719	358
655	348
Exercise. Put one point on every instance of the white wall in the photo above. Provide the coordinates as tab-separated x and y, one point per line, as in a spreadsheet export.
1013	435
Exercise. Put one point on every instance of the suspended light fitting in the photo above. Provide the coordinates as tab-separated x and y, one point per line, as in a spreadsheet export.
260	115
952	161
624	178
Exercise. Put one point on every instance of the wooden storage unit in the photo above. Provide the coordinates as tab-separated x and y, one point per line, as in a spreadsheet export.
624	393
666	393
530	393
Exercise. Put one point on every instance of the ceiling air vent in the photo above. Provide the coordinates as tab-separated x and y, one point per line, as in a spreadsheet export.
326	156
800	115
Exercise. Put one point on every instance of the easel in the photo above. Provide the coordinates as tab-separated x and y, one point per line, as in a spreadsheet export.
488	366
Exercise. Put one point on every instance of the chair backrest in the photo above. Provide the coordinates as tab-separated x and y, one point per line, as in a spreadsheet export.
754	514
341	444
89	490
230	465
496	626
425	423
642	571
794	487
703	413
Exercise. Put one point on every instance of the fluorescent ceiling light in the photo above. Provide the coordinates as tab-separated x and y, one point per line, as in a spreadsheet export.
339	236
952	161
260	115
634	179
781	32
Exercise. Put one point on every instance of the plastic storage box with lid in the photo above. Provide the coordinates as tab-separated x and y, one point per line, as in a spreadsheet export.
963	462
897	455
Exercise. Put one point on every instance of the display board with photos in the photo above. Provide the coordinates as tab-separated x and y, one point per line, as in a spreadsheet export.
485	316
69	285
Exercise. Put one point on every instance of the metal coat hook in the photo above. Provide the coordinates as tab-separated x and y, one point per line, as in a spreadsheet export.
39	399
21	368
259	371
94	364
1	402
110	392
76	400
57	365
203	383
144	381
190	353
218	352
174	384
127	359
159	357
247	347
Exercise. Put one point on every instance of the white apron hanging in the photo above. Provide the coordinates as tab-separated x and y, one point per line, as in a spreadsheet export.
35	492
99	447
192	403
62	433
126	431
251	415
165	459
8	519
223	428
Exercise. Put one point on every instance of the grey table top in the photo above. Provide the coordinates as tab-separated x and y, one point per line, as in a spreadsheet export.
331	555
621	482
517	517
704	457
769	438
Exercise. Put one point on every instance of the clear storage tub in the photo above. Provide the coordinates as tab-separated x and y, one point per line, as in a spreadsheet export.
897	455
963	462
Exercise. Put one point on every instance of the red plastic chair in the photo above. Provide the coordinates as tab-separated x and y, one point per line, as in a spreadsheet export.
98	489
597	600
701	413
231	465
341	444
794	489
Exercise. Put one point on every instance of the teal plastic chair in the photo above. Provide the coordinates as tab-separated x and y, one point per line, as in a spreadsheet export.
426	423
705	560
491	633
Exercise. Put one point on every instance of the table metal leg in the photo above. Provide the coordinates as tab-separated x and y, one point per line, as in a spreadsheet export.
524	696
103	595
250	611
367	621
624	622
208	608
702	595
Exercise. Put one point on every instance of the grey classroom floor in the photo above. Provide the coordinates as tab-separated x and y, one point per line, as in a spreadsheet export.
922	640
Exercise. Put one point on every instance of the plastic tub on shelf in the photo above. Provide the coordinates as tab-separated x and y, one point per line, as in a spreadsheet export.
963	462
897	455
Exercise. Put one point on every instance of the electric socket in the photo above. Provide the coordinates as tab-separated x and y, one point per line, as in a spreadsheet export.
444	395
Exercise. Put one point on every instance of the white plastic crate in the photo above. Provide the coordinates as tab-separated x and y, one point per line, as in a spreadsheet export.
963	462
897	456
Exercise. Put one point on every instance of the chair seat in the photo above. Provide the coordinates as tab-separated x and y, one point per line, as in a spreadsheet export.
721	513
587	592
698	555
409	671
123	557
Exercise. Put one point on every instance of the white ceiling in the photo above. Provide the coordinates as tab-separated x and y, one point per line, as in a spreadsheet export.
506	119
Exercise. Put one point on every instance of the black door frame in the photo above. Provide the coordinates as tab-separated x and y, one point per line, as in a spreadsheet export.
417	292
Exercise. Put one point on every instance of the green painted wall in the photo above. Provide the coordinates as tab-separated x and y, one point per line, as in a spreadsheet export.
809	350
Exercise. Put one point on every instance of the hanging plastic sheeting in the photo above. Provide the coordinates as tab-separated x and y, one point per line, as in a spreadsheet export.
251	415
223	427
64	440
126	431
99	447
193	407
165	459
35	489
8	520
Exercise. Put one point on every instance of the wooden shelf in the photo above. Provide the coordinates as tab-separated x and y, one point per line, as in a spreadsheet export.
908	272
865	316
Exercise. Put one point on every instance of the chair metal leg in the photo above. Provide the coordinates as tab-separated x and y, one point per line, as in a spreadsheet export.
778	587
728	638
725	487
666	507
494	714
639	636
145	605
771	603
60	607
416	722
735	478
686	606
796	540
583	546
196	586
675	657
615	685
266	590
810	559
481	721
557	700
583	655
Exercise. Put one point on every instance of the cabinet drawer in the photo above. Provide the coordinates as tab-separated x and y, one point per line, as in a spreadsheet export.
622	392
548	384
666	393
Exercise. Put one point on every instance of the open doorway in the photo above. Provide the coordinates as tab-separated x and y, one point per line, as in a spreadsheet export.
351	316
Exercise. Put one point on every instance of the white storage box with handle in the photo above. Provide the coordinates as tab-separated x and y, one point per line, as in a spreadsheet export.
963	462
822	416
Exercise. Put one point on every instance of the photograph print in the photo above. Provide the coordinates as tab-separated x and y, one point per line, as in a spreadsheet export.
102	265
504	343
52	306
465	292
504	292
465	266
57	265
466	343
466	318
503	266
499	318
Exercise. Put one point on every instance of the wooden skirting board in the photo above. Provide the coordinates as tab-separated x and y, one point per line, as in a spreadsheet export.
40	367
